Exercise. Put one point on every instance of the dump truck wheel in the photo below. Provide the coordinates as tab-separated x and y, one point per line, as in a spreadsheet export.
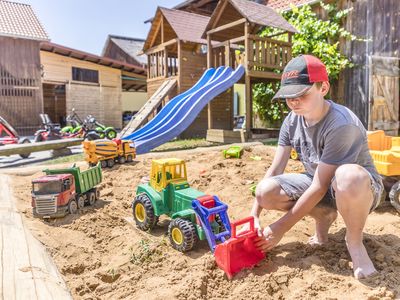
143	212
110	162
129	158
97	193
394	196
91	198
72	207
81	201
182	234
121	160
104	164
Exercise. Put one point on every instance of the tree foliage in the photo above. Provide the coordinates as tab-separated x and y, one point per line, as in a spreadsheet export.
315	36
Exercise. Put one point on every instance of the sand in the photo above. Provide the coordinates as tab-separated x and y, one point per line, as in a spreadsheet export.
101	255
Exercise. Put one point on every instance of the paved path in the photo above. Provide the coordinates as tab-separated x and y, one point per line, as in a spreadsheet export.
27	270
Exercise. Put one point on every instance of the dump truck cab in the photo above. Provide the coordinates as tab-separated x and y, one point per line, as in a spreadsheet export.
51	195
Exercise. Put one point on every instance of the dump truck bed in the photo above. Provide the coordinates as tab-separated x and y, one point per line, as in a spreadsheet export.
85	180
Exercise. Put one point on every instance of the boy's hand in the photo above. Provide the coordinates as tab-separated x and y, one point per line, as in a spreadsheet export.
269	240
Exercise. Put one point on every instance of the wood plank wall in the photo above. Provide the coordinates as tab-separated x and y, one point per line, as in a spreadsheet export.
102	100
20	84
378	22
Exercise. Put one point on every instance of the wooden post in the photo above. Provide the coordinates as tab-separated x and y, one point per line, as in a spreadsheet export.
247	45
249	105
209	65
209	52
228	59
249	102
165	62
180	61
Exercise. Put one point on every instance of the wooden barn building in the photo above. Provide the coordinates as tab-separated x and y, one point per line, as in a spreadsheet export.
20	67
89	83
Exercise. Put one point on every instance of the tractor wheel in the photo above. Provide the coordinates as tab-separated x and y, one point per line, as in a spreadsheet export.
81	201
72	207
104	164
294	155
129	158
182	234
25	141
394	196
122	160
143	212
110	162
111	134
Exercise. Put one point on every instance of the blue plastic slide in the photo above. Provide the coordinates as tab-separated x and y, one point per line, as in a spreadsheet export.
185	113
172	105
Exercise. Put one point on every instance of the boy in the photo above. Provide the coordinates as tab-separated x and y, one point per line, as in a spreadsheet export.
340	175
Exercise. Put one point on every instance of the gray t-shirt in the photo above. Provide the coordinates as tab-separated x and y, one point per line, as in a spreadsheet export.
339	138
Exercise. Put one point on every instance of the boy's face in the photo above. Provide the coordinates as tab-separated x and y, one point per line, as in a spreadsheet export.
307	103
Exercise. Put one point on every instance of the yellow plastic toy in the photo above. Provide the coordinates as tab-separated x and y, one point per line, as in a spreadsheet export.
385	151
108	152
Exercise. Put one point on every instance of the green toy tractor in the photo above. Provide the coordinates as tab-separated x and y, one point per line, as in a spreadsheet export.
168	193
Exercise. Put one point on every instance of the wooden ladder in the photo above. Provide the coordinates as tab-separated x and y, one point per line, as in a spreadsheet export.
142	116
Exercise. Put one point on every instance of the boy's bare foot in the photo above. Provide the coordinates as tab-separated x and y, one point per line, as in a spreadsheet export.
323	221
362	264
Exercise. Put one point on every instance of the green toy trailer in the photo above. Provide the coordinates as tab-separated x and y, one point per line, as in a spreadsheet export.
233	151
63	191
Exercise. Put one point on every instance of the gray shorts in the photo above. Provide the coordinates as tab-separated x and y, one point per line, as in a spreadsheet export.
295	185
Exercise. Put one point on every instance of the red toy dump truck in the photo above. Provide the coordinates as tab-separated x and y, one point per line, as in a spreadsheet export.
63	191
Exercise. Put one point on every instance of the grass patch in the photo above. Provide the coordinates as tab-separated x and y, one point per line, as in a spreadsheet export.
65	159
184	144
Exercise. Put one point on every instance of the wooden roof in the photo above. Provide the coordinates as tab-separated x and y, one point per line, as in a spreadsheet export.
178	24
19	20
133	76
206	7
228	11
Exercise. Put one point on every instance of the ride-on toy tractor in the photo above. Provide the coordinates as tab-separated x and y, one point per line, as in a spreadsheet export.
195	216
9	136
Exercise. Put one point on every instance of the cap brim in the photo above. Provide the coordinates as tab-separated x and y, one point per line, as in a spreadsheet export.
292	91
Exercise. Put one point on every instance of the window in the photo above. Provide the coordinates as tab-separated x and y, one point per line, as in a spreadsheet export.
86	75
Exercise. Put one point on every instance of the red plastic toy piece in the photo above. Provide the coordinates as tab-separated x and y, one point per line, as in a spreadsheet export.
239	252
209	202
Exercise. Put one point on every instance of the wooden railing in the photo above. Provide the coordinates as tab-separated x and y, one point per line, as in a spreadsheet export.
266	54
263	54
160	64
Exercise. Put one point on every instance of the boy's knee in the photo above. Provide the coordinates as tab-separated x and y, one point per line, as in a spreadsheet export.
267	191
351	178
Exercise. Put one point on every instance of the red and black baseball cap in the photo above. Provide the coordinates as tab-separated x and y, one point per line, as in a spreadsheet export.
299	76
